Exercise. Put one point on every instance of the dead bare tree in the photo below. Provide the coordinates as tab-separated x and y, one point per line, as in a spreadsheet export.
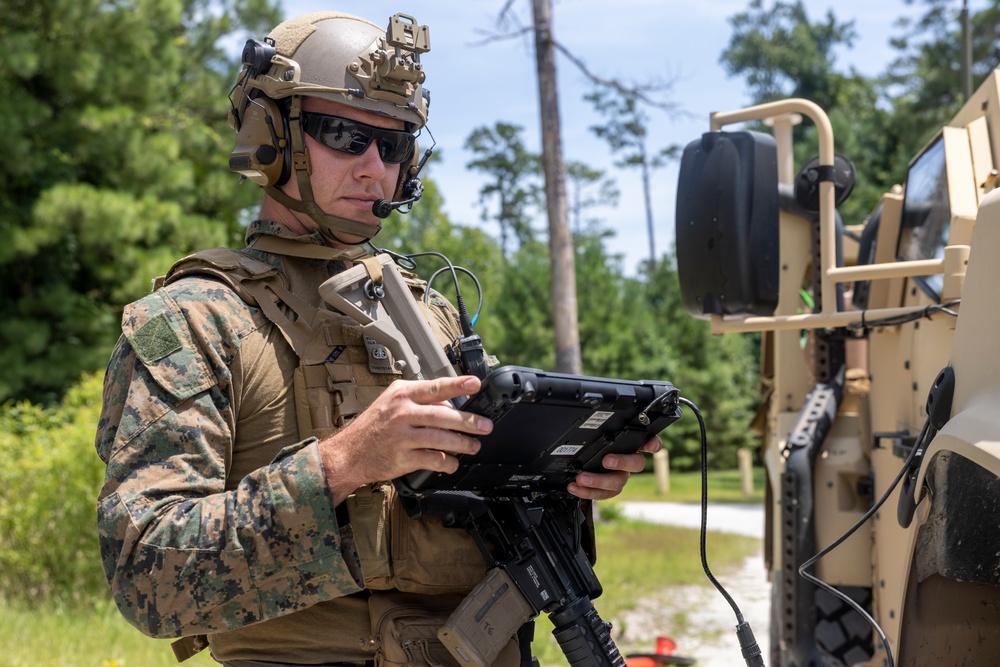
563	265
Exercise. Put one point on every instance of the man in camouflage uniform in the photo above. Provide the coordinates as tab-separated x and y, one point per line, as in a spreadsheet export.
249	431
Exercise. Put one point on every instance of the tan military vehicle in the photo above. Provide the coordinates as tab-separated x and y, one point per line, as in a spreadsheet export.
880	367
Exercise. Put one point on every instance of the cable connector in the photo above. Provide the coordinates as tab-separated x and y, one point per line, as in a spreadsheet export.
748	645
467	350
468	353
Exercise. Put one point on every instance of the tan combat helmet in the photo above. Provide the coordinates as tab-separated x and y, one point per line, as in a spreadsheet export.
336	57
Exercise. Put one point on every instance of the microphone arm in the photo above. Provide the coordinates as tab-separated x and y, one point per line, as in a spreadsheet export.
413	190
382	208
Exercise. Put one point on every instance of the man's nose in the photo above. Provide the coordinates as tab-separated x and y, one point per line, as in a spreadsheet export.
370	162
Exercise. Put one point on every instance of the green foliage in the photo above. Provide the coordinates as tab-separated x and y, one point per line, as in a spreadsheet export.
91	633
516	183
625	130
116	166
925	78
581	181
782	54
716	373
49	480
879	122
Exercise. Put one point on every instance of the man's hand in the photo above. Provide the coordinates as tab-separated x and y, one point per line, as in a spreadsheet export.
411	426
601	486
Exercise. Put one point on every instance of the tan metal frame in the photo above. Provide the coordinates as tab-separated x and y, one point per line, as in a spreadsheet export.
952	265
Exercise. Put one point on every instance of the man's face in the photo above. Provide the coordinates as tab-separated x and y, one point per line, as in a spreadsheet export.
346	185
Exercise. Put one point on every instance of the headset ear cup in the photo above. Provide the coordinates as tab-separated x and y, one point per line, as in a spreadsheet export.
262	152
406	172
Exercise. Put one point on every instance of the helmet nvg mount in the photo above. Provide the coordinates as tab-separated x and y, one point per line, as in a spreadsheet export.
335	57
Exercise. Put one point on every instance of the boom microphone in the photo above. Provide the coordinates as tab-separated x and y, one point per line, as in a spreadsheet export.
382	208
412	191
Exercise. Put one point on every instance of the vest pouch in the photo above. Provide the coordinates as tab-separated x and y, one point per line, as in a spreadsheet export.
369	514
405	628
428	557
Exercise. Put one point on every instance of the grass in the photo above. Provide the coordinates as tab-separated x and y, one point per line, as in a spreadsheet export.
724	486
634	558
90	634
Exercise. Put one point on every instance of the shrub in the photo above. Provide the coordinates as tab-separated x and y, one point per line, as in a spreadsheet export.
50	476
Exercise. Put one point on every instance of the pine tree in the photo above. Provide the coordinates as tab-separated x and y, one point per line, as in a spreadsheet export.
115	166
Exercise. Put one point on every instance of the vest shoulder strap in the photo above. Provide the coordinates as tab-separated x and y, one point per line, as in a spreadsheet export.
232	267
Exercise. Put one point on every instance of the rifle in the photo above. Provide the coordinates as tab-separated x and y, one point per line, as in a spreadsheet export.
534	551
533	545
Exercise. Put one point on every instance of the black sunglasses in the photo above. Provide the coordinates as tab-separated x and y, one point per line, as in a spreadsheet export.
353	138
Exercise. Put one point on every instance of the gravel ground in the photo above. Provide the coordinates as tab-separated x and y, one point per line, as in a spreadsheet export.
696	616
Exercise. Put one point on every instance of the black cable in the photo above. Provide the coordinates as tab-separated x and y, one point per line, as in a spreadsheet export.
748	644
467	272
860	522
466	350
402	261
463	311
407	262
924	313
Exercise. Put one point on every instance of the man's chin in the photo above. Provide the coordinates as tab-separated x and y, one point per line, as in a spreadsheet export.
338	239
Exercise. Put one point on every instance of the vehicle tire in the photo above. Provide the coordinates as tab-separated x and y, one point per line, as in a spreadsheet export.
840	630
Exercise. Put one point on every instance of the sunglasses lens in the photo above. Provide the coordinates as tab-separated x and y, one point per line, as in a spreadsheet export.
396	149
353	138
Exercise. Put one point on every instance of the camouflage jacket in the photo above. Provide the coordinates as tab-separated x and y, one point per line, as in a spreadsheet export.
214	515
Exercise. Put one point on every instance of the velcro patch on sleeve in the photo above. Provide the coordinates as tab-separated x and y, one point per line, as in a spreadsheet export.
154	340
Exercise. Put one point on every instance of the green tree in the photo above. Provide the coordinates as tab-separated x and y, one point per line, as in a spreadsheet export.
925	77
115	167
626	132
515	172
781	53
581	181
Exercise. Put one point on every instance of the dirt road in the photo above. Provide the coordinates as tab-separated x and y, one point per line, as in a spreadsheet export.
696	616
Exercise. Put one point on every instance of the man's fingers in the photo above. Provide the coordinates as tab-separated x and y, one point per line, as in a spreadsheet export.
625	462
436	460
442	389
598	486
448	418
428	408
442	458
652	446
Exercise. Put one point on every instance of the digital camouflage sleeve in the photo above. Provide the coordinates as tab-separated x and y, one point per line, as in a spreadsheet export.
183	554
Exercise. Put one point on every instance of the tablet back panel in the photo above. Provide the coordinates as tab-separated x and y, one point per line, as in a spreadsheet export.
547	427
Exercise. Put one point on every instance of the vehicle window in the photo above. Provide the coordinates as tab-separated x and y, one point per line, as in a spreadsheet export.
926	211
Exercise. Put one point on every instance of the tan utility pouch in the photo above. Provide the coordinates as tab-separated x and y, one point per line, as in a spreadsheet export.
405	628
369	514
411	555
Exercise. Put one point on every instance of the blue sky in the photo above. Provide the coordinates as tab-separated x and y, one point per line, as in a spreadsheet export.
677	40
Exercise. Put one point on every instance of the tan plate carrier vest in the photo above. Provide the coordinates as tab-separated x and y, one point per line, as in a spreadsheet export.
333	383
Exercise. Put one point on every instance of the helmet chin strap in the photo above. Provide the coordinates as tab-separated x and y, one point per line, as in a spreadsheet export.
328	223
